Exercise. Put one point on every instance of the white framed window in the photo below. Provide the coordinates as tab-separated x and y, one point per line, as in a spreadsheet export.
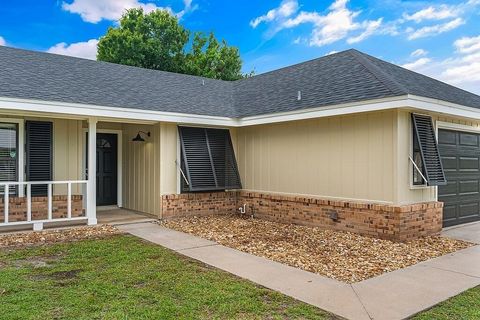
12	153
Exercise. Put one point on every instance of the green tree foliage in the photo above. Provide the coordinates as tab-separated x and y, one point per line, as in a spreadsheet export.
212	59
157	41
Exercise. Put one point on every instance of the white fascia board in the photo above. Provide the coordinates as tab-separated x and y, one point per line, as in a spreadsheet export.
406	101
440	106
129	114
111	112
327	111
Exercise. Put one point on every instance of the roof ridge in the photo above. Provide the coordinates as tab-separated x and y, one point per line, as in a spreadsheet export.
391	84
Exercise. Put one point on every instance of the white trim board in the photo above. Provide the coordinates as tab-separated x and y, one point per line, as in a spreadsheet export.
119	134
128	114
456	127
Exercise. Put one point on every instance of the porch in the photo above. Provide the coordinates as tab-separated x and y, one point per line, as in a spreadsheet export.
45	160
121	216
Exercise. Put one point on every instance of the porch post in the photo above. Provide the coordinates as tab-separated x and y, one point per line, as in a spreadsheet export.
92	172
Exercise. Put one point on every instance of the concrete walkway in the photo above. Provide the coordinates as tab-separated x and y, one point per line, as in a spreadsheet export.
121	216
394	295
468	232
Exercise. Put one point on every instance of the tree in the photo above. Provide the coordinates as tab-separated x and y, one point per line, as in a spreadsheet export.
153	41
211	59
157	41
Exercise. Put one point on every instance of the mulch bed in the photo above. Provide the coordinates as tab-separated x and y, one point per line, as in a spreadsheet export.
56	235
344	256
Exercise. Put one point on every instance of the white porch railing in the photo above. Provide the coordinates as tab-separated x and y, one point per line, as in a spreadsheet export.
38	224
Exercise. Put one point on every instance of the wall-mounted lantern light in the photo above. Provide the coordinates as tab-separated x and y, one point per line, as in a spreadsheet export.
139	138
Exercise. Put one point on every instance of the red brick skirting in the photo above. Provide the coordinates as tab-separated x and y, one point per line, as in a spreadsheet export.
190	204
397	223
17	208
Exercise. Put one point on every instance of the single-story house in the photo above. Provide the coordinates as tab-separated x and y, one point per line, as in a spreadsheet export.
346	141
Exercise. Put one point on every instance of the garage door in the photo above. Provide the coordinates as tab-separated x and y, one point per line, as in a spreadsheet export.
460	154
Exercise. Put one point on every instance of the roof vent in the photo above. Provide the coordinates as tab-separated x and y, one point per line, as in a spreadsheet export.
299	95
203	82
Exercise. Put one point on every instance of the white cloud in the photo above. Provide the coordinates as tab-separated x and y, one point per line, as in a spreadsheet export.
462	69
370	28
285	10
336	24
188	7
2	41
419	53
415	65
432	13
468	45
87	50
429	31
97	10
465	67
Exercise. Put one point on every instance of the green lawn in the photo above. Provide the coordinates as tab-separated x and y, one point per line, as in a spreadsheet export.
465	306
125	278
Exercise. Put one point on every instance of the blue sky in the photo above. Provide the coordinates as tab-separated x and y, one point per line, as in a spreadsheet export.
438	38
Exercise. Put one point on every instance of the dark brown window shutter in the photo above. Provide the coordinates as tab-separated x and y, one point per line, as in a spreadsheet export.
425	134
39	154
208	160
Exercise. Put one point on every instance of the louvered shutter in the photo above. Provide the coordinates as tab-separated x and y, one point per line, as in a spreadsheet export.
208	160
196	158
38	154
223	158
426	139
8	154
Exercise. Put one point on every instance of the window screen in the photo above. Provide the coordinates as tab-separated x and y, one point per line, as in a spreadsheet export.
426	155
8	154
208	160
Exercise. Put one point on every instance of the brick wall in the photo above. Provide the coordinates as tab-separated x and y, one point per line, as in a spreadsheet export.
189	204
397	223
17	208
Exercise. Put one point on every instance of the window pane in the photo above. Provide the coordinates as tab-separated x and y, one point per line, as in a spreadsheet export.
8	154
417	159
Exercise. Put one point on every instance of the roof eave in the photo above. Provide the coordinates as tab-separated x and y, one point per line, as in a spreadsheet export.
84	111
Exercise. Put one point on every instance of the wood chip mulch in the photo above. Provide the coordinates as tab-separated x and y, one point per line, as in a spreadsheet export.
56	235
344	256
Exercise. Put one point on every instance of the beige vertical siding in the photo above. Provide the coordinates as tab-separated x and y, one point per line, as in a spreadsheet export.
169	149
141	169
348	157
67	152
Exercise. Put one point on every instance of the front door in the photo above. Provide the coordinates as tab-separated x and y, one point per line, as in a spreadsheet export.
106	169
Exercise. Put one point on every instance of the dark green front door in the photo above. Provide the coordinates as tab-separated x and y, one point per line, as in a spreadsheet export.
106	169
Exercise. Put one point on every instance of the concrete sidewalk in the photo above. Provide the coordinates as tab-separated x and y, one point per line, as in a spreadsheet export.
468	232
394	295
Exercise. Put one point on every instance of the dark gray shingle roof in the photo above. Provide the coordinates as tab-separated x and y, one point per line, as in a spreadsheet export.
348	76
43	76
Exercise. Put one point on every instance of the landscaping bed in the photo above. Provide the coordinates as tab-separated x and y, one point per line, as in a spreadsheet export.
344	256
56	235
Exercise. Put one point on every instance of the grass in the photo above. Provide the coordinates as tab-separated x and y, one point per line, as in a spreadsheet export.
123	277
465	306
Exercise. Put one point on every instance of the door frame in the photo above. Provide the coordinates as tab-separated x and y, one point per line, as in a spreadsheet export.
119	134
